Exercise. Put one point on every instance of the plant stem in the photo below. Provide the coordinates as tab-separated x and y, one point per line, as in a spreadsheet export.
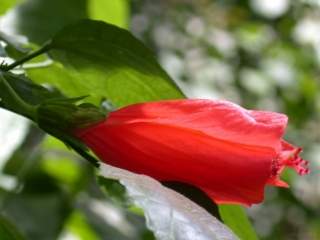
26	58
13	101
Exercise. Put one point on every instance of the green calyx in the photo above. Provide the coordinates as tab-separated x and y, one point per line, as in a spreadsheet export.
67	115
48	108
11	100
60	117
52	111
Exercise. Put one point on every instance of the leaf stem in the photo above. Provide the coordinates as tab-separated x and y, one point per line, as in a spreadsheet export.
26	58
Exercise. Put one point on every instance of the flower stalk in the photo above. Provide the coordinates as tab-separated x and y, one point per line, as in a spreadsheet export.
45	48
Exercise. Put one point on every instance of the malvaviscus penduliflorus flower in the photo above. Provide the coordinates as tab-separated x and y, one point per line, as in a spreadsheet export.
227	151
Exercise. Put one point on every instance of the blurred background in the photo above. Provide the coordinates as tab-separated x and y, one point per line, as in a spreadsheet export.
261	54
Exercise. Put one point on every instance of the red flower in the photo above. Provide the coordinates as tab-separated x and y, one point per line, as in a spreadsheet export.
229	152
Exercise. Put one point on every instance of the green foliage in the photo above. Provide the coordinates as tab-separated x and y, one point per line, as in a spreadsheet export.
6	4
8	230
115	12
108	58
14	46
55	189
39	215
114	190
79	226
11	100
235	217
27	90
39	20
38	205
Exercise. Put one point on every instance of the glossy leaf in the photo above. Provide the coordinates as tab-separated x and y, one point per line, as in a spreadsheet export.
27	90
106	62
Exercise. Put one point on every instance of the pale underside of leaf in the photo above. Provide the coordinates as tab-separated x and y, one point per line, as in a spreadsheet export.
169	215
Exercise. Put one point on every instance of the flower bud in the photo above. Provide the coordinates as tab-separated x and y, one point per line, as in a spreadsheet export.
227	151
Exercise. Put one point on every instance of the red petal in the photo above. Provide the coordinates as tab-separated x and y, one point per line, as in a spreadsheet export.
220	119
228	172
228	151
277	182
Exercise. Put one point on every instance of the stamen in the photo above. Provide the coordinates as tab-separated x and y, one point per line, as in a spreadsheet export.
289	157
297	163
275	166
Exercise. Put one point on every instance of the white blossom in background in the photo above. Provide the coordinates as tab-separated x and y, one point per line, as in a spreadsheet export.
201	90
8	25
139	24
307	31
112	216
270	8
164	36
255	82
172	63
169	215
222	40
68	236
195	27
13	129
280	71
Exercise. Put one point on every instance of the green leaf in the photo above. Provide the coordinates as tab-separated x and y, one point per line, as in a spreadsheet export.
2	51
15	46
115	12
42	204
79	226
235	217
64	166
39	20
114	190
106	62
28	91
22	91
22	156
5	5
39	215
19	95
8	231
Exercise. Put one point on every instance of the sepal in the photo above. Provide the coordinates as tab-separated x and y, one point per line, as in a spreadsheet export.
66	115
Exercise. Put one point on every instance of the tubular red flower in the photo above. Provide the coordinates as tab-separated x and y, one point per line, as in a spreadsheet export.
229	152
